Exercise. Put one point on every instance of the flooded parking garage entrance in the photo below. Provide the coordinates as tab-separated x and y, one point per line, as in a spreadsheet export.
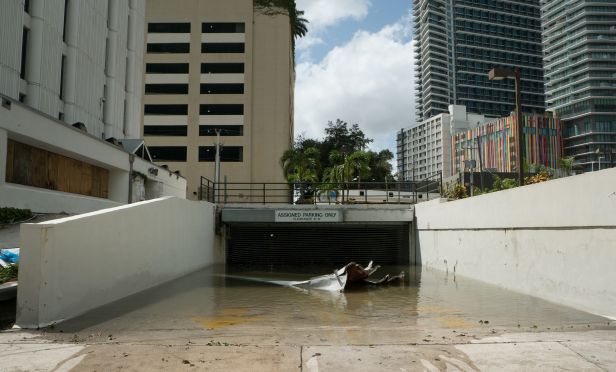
228	306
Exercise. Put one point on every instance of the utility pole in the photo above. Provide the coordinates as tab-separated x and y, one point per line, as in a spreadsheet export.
480	161
217	168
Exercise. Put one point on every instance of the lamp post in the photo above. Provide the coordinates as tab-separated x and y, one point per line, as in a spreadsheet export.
500	74
218	146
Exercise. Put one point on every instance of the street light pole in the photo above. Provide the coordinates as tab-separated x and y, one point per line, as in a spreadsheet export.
518	114
217	168
500	74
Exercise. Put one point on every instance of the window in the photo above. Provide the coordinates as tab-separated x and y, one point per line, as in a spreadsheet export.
27	6
223	27
165	110
168	153
222	88
166	89
222	68
169	28
24	53
169	48
167	68
62	74
227	154
222	48
221	109
165	130
66	3
225	130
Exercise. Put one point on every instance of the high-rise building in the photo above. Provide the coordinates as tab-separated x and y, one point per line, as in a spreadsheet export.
71	75
459	41
580	75
424	149
77	61
218	67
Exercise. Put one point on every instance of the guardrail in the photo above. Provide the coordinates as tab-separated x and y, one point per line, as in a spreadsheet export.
396	192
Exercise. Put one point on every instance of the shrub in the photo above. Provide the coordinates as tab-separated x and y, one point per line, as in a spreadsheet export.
458	192
11	215
537	178
9	273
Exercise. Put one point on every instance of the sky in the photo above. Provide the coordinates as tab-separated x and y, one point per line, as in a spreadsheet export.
355	64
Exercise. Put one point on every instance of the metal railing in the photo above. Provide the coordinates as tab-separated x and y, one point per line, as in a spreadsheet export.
395	192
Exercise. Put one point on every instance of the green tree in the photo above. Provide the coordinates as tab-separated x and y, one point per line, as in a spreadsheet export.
299	24
345	169
300	167
380	166
358	163
345	139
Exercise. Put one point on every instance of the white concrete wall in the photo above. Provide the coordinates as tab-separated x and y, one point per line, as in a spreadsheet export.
75	264
50	201
555	240
170	183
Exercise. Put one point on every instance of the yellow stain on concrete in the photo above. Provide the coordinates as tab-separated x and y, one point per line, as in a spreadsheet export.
445	316
437	310
454	322
227	318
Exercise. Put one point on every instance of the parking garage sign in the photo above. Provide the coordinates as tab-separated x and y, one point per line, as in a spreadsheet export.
308	216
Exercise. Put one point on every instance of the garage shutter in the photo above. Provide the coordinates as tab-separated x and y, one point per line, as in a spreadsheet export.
293	244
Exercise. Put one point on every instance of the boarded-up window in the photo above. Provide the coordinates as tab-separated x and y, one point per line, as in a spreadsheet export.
31	166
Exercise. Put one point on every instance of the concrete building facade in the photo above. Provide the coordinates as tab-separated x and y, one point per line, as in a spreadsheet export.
218	67
70	83
424	150
492	145
458	42
580	76
77	61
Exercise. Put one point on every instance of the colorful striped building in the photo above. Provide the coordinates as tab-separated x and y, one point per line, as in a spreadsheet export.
495	141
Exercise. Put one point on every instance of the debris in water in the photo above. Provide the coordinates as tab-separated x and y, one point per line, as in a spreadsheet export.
351	275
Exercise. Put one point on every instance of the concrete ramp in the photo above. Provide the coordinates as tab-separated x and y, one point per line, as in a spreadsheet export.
72	265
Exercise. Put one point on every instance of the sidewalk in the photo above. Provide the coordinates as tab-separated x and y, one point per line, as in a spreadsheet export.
541	351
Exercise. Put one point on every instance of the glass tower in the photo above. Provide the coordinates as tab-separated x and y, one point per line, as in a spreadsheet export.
579	40
459	41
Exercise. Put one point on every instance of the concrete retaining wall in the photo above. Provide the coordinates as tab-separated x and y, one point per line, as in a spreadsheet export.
75	264
555	240
49	201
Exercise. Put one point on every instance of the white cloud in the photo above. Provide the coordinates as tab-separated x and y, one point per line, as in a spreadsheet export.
368	81
325	13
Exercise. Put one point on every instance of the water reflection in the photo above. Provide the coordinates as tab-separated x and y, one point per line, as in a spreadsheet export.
220	302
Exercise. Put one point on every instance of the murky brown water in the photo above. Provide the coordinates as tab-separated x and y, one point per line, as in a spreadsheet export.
431	304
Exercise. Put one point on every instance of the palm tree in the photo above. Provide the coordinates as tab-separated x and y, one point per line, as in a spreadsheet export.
300	166
345	168
335	176
299	23
358	163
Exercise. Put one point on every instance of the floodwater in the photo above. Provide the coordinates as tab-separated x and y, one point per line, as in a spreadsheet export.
218	304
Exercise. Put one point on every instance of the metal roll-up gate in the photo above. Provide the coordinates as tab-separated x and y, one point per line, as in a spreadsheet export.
336	244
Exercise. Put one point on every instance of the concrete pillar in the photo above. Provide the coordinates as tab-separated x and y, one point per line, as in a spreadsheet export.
111	70
70	68
3	154
34	52
131	129
118	185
